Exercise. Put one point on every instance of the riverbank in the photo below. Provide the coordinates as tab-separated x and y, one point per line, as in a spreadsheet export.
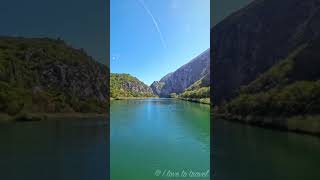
27	117
306	124
196	100
129	98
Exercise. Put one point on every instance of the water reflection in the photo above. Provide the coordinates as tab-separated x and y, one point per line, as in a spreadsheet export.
57	149
246	152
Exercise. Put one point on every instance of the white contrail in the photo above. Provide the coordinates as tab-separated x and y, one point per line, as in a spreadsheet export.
154	22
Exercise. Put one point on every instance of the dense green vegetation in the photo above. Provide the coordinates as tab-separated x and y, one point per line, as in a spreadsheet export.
125	85
299	98
12	99
203	92
23	88
286	96
198	92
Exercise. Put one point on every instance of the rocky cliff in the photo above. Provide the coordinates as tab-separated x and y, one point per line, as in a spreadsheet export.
156	86
125	85
250	41
185	76
46	75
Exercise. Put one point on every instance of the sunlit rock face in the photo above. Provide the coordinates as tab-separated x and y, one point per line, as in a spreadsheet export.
185	76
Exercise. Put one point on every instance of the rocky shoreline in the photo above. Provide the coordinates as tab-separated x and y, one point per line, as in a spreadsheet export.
33	117
198	100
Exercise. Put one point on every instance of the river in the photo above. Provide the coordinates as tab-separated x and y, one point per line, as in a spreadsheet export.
156	139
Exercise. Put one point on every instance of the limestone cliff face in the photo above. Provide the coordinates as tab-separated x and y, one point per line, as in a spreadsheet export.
156	87
183	77
250	41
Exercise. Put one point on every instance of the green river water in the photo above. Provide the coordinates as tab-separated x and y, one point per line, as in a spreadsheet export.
155	139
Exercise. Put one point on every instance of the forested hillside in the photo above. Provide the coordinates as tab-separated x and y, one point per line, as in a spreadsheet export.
42	75
125	85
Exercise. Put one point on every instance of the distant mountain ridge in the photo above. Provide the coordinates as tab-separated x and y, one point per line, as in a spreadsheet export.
179	80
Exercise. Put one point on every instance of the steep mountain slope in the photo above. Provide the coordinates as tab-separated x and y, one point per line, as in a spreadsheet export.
156	86
250	41
178	81
125	85
286	96
46	75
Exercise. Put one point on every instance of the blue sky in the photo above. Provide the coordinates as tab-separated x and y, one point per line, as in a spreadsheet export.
150	38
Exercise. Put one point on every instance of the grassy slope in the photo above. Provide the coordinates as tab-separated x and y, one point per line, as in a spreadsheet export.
286	96
119	90
18	76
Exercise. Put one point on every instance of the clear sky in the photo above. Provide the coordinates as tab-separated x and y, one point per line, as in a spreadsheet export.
150	38
81	23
